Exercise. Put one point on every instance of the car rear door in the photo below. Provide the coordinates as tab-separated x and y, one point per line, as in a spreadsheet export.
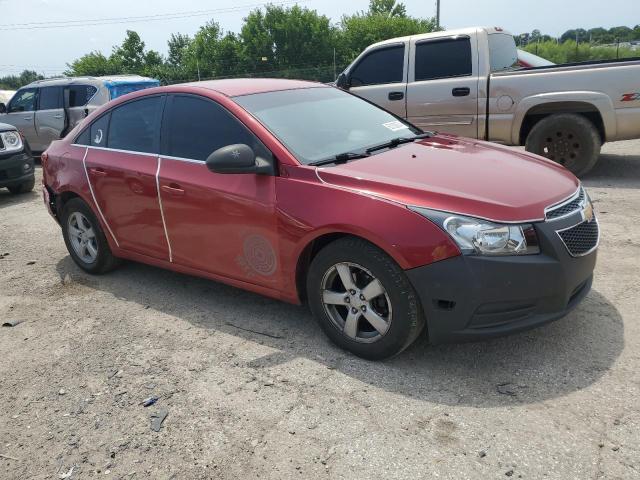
442	93
224	224
380	76
49	116
21	114
122	164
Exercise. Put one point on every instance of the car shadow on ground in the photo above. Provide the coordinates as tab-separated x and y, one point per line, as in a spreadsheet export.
548	362
8	199
613	170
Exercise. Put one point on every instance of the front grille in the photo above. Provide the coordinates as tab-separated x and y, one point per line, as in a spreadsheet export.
580	239
572	205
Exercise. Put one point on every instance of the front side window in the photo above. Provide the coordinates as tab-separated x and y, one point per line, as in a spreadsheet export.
450	57
24	101
197	127
381	66
79	95
319	123
50	98
134	126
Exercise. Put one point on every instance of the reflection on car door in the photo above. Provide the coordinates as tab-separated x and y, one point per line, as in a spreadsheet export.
443	86
219	223
21	113
381	77
122	163
49	117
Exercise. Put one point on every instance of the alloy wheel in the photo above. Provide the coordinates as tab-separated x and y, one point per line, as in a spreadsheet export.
356	302
82	237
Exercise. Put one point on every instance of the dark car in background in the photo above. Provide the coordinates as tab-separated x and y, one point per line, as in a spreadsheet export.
16	162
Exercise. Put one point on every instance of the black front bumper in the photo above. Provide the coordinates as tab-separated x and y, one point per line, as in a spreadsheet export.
472	297
12	169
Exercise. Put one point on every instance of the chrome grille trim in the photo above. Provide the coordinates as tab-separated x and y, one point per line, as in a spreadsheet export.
575	203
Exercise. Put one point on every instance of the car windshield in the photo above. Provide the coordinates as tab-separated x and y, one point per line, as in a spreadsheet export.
321	123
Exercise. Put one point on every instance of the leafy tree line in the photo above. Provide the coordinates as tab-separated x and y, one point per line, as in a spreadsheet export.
277	41
600	36
570	51
13	82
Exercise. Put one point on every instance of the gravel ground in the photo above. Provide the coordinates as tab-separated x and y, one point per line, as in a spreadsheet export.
253	389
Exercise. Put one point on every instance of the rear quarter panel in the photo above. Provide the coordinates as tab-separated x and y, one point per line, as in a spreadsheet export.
605	86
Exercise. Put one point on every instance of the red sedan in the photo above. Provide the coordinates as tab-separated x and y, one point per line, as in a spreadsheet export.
303	192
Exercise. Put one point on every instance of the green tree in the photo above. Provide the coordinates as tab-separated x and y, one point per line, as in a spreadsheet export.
92	64
389	8
13	82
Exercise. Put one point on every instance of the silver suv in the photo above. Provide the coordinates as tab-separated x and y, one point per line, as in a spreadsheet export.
46	110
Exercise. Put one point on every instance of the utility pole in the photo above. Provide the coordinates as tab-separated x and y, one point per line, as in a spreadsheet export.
438	13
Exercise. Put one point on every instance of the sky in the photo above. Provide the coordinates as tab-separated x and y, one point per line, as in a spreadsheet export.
48	50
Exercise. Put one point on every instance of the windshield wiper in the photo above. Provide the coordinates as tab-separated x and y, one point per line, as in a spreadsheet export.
394	142
341	158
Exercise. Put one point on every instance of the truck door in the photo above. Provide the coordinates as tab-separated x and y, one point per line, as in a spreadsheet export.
49	117
380	76
442	93
21	113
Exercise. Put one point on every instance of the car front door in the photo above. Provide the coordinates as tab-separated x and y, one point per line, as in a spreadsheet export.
49	117
224	224
442	93
21	114
122	164
380	76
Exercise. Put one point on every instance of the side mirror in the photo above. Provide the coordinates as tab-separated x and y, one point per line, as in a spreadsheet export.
343	81
238	158
3	108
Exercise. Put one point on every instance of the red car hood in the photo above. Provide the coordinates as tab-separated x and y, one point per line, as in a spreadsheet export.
459	175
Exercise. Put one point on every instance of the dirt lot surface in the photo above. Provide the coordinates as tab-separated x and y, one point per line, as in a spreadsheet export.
562	401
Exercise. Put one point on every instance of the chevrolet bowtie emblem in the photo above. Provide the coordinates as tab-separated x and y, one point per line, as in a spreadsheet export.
235	154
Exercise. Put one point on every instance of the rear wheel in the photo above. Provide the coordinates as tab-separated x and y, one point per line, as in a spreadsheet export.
568	139
363	300
85	239
23	187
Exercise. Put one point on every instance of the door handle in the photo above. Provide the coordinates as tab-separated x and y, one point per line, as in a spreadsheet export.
98	172
57	116
396	95
461	92
173	189
27	118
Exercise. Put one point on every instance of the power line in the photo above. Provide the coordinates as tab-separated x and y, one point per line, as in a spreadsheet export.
133	19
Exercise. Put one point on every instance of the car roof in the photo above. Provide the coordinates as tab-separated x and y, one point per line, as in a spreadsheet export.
439	34
90	80
233	87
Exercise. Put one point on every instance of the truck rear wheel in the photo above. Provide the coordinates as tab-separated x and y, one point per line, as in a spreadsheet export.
568	139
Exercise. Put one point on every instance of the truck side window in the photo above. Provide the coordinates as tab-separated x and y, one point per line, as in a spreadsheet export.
381	66
50	98
23	101
449	57
79	95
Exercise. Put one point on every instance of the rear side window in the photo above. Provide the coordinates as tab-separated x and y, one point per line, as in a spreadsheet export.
445	58
134	126
79	95
50	98
197	127
378	67
99	130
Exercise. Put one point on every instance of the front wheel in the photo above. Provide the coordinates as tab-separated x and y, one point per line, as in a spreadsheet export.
568	139
85	239
363	300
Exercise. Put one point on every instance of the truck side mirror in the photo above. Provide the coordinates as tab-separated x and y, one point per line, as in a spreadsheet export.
343	81
3	108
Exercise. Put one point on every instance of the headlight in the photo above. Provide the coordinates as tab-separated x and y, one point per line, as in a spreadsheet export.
12	141
481	237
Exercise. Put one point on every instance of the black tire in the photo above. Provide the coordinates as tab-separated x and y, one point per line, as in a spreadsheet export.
104	261
568	139
23	187
407	319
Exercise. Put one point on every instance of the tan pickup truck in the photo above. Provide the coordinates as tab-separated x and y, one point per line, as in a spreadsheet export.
468	82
